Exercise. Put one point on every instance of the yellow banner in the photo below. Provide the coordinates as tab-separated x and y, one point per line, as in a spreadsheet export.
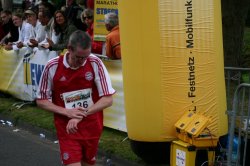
103	7
8	63
114	116
20	73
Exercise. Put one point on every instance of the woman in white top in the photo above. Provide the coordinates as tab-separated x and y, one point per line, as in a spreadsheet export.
24	30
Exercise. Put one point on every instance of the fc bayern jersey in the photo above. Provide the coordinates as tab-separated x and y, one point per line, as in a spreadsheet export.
72	88
101	76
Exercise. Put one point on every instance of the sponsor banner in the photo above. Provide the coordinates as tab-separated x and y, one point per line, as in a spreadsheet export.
103	7
24	69
114	117
20	73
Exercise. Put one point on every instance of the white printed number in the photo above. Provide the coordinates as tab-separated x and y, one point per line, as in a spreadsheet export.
83	104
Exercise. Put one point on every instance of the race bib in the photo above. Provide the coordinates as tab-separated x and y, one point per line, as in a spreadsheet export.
79	98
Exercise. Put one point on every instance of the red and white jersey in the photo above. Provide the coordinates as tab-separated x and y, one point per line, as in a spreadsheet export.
71	88
101	76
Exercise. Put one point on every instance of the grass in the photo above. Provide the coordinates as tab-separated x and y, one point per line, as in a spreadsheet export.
116	142
29	113
112	141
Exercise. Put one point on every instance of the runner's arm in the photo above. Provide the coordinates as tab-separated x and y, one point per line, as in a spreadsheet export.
70	113
102	103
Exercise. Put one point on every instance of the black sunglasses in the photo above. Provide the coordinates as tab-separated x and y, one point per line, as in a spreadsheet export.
88	17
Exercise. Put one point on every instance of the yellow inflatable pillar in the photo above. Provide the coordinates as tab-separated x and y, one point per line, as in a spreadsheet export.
172	57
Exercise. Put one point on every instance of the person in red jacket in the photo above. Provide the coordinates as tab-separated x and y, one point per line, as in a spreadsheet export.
76	87
90	4
88	18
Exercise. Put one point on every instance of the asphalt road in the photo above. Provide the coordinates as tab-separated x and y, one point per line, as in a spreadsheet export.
24	148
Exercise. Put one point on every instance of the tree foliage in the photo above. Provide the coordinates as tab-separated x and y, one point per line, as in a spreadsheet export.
234	14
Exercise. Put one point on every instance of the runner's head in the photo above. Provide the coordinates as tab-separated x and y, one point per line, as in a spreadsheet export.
79	39
79	47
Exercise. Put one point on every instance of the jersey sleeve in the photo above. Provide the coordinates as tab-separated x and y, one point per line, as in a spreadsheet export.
102	78
44	90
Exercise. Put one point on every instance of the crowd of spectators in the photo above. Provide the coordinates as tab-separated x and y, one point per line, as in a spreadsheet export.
43	26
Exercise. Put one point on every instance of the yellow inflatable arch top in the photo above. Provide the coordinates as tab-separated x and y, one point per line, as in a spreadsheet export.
172	57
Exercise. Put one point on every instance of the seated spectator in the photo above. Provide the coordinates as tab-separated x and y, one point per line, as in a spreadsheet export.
10	30
24	30
88	18
113	49
37	31
63	28
73	13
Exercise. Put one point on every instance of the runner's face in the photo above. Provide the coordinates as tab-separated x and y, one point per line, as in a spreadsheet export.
79	56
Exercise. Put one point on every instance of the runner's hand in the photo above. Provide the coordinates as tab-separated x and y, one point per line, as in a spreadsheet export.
71	127
75	113
84	110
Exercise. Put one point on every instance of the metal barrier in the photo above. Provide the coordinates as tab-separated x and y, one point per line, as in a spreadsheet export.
238	106
234	77
239	128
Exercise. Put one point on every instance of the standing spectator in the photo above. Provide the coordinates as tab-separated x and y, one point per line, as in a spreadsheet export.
10	30
1	31
88	18
58	4
46	19
37	31
24	30
80	88
63	28
113	49
82	4
90	4
26	4
45	5
73	13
